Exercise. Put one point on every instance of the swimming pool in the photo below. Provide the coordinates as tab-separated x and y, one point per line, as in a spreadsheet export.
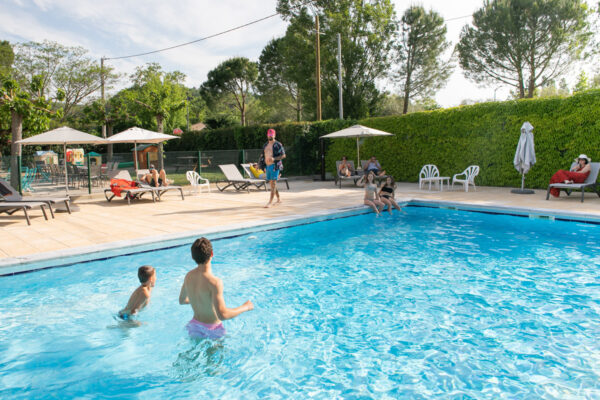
433	303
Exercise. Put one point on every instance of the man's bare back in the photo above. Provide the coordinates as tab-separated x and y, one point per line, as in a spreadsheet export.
204	292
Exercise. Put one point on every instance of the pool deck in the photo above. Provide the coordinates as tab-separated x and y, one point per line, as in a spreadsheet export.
100	222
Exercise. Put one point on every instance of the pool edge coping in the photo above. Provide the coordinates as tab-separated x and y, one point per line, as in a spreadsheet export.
31	262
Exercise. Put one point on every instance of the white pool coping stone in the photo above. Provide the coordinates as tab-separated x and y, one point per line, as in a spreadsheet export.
15	265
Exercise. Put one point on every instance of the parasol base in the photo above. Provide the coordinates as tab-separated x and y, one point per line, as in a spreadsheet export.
522	191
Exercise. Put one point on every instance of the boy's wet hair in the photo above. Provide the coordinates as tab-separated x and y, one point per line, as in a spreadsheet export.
202	250
145	272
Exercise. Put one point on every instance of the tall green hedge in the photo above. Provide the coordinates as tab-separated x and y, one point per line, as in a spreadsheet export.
485	135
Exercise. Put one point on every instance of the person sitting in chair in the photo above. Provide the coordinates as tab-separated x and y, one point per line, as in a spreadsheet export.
346	169
373	165
577	174
155	178
257	172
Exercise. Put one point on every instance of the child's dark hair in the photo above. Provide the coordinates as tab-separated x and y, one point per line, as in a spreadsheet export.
392	184
145	272
202	250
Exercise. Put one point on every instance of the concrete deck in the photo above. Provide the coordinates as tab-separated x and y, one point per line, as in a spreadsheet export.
101	222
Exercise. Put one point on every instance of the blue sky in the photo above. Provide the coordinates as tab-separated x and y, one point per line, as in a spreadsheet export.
113	28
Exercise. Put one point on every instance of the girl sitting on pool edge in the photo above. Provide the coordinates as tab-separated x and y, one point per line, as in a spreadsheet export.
371	198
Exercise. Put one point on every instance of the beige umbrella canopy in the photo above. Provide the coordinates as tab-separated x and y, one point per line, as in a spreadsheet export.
356	131
137	135
63	135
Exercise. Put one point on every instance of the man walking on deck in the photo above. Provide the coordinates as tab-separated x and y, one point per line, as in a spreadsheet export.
273	153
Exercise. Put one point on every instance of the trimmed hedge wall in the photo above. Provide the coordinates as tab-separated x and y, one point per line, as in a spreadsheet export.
486	135
483	134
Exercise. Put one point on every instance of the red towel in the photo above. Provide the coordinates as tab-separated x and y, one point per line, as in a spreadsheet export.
118	185
561	176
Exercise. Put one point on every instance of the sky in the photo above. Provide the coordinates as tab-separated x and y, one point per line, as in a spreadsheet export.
114	28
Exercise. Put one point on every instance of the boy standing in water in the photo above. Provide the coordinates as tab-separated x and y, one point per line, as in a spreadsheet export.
140	296
204	292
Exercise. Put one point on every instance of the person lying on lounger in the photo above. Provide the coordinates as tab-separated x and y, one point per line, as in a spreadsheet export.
577	174
155	178
257	172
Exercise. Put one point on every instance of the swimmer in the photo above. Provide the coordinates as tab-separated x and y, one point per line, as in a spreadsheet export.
140	296
204	292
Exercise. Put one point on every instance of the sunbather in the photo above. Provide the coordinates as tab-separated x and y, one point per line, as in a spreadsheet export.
257	172
346	168
155	178
373	165
577	174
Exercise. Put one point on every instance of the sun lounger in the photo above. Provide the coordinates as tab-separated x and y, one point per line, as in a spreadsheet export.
339	177
590	182
130	193
15	196
9	208
234	179
158	190
246	168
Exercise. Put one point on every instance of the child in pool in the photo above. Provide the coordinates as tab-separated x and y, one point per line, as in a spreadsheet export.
140	296
204	292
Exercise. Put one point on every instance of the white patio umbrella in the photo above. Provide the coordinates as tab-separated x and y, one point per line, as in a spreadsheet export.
137	135
63	135
524	156
356	131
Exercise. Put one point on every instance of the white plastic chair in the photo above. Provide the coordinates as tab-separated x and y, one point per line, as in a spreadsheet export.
470	173
429	173
194	179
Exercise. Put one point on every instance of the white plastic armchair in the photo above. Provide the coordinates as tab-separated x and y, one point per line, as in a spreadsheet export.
194	179
429	173
469	177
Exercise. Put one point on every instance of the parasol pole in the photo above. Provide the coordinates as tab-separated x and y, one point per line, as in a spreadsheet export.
135	158
66	177
357	154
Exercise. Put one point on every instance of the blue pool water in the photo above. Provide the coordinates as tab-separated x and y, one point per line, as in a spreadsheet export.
429	304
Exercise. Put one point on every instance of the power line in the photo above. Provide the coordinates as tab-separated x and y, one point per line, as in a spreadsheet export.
206	37
455	18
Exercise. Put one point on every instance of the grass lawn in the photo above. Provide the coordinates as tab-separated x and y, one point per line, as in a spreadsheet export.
180	179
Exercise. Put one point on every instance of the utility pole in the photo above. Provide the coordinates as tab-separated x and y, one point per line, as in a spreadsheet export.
102	94
339	38
318	39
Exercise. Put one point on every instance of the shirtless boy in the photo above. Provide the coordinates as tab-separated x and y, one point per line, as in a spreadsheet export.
140	296
204	292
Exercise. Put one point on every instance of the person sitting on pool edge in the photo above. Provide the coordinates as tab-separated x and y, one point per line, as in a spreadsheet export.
577	174
140	296
204	292
386	194
155	178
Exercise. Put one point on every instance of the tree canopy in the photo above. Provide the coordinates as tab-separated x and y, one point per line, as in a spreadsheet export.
523	43
421	44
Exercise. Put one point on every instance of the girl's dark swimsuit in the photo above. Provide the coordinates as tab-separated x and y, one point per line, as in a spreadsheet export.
388	190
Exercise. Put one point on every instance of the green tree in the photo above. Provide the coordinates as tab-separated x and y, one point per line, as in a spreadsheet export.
582	83
29	108
235	77
7	57
158	96
367	31
421	43
62	68
523	43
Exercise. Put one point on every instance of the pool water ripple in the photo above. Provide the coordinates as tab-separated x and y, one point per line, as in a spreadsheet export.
428	304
